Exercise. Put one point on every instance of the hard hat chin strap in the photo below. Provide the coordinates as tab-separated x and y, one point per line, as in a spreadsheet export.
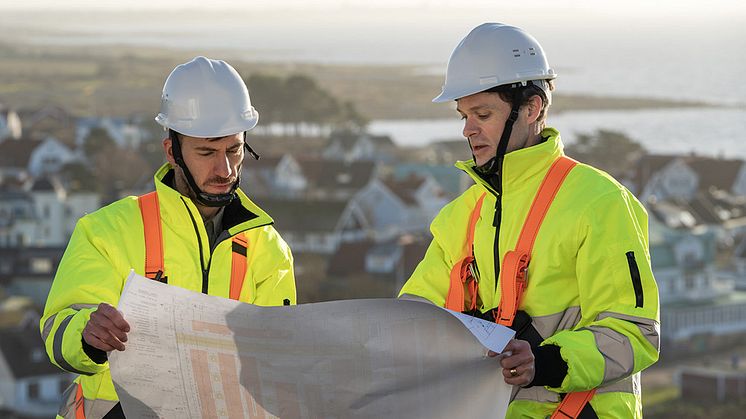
495	164
204	198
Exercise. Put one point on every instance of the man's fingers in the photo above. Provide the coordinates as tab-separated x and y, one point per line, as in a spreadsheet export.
100	320
519	376
100	338
513	361
114	315
516	352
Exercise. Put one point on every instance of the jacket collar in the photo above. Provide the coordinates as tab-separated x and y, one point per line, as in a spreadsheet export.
522	165
239	215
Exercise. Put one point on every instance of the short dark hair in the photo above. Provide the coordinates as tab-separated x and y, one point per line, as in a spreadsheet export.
510	92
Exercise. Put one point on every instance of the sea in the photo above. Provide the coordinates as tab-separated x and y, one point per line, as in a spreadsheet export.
694	55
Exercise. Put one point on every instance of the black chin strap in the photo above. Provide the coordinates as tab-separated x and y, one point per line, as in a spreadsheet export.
204	198
495	164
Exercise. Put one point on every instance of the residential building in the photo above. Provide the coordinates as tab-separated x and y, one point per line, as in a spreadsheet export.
126	133
30	386
335	179
351	146
29	271
49	121
49	157
315	226
277	176
392	207
669	177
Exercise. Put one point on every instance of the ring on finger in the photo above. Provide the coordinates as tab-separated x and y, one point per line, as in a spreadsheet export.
513	372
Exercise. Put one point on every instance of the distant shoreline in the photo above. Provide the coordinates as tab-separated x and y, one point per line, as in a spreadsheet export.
122	80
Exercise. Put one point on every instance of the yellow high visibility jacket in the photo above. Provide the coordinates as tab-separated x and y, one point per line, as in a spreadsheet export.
590	290
109	242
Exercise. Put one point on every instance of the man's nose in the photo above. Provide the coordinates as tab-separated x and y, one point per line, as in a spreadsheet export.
470	128
222	166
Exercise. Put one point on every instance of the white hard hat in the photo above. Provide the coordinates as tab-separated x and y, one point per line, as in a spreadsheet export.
494	54
206	98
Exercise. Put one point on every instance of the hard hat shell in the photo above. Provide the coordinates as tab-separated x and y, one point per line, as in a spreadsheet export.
495	54
206	98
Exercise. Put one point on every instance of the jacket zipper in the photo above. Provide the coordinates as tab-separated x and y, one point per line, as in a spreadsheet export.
205	270
634	272
496	221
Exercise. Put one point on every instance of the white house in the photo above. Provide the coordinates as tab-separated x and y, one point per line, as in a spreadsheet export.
683	177
386	214
30	386
49	156
675	180
316	226
125	133
350	146
17	218
392	207
44	215
274	176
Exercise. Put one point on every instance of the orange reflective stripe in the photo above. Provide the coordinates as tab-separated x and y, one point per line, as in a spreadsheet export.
543	200
515	263
151	220
79	403
460	273
238	265
573	404
475	213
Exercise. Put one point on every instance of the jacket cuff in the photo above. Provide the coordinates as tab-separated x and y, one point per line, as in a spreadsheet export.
97	355
549	367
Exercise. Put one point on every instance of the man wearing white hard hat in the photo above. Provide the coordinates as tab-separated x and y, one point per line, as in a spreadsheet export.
553	248
197	231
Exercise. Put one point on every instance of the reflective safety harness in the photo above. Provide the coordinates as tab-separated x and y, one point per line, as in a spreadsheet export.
154	269
515	270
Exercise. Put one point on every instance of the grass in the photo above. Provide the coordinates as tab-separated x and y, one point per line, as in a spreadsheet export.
659	396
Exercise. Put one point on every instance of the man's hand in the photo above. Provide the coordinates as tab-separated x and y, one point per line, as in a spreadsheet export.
106	329
517	361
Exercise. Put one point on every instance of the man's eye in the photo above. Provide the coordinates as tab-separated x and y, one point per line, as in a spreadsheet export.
205	154
483	116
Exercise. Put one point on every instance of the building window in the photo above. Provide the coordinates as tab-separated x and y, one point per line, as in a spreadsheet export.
33	391
41	265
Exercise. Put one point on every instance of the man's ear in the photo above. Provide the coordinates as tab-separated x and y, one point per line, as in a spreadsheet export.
169	151
534	108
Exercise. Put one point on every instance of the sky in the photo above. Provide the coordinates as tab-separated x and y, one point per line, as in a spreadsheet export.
673	49
658	8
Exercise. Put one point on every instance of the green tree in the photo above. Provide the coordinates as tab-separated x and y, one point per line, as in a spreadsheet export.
298	101
268	97
611	151
98	139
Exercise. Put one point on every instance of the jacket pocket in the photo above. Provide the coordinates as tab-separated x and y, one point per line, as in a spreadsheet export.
634	272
